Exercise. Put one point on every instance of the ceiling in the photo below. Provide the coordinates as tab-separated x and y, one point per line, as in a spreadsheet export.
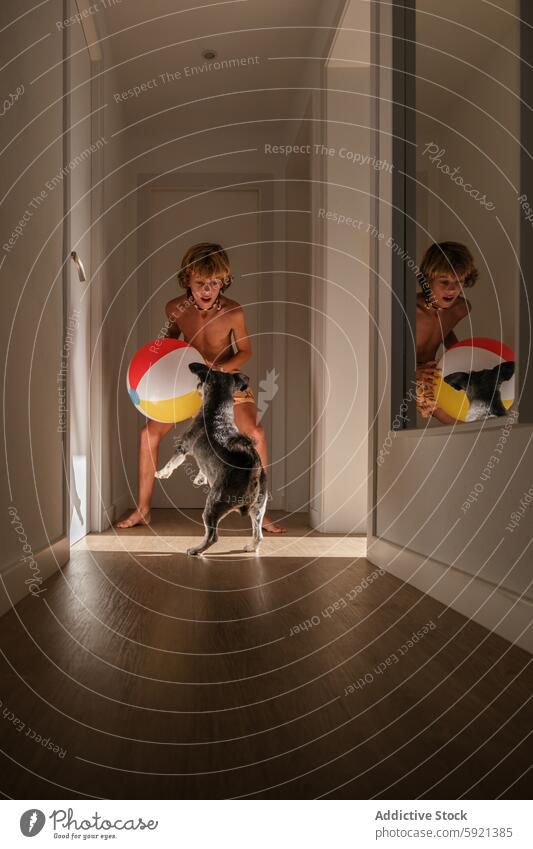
160	44
351	43
459	43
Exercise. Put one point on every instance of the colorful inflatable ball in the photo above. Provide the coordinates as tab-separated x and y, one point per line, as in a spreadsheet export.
160	383
477	379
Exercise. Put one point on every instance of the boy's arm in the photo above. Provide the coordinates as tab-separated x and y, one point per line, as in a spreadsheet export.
463	309
242	342
173	331
450	339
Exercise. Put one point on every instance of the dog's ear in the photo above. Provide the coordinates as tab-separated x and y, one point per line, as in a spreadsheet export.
240	380
458	379
200	370
504	371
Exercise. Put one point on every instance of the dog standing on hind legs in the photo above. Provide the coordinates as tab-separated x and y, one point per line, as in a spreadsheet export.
227	459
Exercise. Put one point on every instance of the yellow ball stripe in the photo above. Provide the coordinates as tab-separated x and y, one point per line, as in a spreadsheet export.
173	409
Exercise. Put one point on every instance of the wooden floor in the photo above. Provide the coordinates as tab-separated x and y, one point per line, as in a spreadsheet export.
160	676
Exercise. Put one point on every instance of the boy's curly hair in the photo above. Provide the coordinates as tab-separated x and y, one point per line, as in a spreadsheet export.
448	258
207	259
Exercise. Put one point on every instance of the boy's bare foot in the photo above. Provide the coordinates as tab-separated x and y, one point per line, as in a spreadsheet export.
138	517
272	527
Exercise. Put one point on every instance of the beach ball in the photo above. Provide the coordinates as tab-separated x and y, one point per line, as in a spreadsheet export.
160	383
472	355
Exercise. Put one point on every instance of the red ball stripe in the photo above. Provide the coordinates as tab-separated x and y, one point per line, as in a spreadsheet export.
150	354
494	345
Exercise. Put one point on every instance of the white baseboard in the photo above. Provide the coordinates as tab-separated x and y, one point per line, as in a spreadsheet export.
500	610
333	526
125	502
12	584
314	518
112	514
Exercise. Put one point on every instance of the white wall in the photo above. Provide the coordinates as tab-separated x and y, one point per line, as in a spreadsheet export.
32	308
118	313
340	299
296	396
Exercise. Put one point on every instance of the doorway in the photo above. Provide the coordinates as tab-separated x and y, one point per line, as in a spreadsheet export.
166	211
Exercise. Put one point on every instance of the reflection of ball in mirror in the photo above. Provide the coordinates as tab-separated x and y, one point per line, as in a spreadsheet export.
471	355
160	383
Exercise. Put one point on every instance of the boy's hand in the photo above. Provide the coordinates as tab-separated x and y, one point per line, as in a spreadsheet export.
427	372
427	376
213	366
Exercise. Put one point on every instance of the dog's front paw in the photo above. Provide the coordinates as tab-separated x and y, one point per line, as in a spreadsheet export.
194	552
163	473
251	546
200	479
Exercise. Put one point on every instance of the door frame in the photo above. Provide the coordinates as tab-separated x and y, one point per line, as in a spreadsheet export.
97	519
204	183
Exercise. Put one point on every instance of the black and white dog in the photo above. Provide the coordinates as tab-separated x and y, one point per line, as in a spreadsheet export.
226	458
483	389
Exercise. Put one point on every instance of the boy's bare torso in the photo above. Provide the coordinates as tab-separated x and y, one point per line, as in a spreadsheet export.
434	326
209	332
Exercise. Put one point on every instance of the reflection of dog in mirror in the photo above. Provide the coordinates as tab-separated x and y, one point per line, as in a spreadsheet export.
227	459
483	389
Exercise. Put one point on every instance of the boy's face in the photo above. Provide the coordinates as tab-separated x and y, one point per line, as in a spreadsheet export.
205	289
445	289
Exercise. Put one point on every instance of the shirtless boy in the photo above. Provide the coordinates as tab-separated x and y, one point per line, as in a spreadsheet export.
446	269
207	319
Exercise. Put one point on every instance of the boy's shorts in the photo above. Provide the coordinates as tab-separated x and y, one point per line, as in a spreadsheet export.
242	396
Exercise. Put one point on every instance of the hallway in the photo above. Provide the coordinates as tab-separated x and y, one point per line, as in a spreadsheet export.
332	202
158	676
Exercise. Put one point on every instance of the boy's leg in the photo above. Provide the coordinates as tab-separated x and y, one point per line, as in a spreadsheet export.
246	421
151	435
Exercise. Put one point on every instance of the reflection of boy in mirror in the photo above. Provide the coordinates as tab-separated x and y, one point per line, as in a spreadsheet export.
446	269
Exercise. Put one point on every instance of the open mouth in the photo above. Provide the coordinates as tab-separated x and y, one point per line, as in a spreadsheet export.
448	299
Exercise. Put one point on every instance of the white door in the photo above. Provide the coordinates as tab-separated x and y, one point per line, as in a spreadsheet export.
181	219
77	339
